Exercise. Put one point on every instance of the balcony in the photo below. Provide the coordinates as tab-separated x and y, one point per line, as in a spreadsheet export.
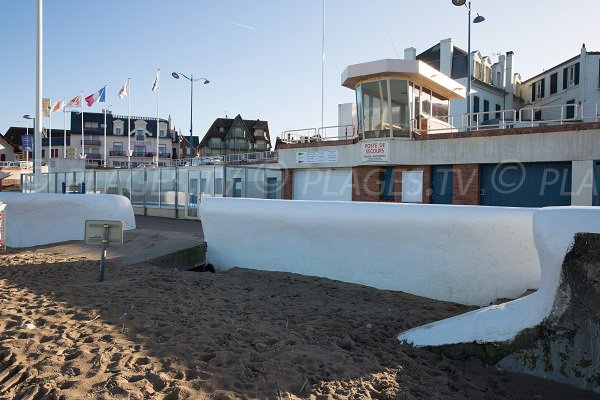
91	142
119	153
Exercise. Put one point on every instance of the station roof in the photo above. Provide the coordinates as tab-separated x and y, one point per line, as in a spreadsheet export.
414	70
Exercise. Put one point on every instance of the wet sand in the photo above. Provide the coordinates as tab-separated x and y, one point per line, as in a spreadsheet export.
148	332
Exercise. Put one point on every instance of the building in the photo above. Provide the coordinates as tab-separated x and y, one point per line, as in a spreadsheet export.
99	150
7	149
141	143
235	136
567	91
408	149
494	86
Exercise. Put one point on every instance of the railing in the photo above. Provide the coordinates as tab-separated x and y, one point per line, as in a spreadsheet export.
15	164
545	115
92	142
326	133
240	158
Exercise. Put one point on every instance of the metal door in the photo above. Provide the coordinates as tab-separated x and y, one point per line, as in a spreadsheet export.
441	184
526	184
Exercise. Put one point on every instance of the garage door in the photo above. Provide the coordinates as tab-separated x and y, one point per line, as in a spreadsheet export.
526	184
323	184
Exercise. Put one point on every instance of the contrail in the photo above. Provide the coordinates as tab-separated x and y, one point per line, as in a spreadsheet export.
206	15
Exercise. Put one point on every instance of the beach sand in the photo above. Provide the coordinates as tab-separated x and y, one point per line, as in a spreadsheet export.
148	332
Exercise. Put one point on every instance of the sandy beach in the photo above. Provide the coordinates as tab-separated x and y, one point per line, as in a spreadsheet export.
148	332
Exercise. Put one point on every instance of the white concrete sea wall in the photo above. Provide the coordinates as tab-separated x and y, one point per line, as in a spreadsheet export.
553	231
466	254
34	219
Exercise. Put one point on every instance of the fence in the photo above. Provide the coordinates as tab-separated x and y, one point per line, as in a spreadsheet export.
172	192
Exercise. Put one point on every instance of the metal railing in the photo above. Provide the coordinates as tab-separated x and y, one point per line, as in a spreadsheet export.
254	157
325	133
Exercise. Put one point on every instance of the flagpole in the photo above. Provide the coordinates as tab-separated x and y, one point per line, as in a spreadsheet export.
128	123
82	131
49	142
65	130
105	132
157	114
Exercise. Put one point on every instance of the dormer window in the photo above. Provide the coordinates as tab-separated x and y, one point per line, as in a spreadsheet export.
118	131
163	133
139	135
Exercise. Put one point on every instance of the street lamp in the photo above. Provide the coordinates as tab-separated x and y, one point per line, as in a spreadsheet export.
477	20
192	80
27	116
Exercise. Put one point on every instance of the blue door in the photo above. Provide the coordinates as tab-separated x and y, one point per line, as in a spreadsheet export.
441	184
526	184
596	198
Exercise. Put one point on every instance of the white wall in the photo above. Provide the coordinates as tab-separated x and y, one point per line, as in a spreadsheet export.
553	231
466	254
34	219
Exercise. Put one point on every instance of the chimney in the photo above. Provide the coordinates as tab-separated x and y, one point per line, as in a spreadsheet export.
446	56
502	69
410	53
509	82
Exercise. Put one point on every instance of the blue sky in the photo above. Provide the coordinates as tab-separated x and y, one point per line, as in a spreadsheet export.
263	58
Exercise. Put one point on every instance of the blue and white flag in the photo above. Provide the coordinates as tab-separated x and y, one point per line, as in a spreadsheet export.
156	81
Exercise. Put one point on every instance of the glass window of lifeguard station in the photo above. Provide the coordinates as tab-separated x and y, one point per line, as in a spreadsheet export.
393	107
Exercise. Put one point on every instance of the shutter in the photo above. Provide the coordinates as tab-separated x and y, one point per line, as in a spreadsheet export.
533	92
543	83
565	77
577	74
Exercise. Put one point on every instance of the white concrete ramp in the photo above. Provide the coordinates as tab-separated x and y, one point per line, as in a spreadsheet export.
34	219
466	254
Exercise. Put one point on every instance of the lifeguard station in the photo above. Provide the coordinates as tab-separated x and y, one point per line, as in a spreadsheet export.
395	98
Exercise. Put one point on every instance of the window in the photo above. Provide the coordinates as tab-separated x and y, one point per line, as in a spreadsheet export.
90	125
538	89
571	76
162	133
486	110
119	131
498	114
387	183
475	107
117	148
498	79
554	83
488	75
162	149
139	135
477	71
570	114
139	151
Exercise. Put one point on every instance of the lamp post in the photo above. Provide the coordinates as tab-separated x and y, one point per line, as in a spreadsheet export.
176	75
476	20
27	116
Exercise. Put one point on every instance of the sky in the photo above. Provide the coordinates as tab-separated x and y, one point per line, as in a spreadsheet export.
263	57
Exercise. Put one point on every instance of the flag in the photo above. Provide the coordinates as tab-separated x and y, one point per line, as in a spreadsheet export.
156	81
124	91
75	102
27	142
58	106
96	97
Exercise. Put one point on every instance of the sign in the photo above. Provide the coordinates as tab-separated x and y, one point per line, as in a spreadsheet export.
98	232
27	142
375	151
412	186
45	107
317	157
